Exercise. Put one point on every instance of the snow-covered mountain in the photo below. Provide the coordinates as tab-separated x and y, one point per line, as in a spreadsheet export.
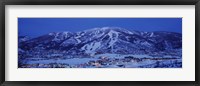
105	40
23	38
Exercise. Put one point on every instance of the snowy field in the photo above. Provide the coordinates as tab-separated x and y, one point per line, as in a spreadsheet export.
105	61
73	61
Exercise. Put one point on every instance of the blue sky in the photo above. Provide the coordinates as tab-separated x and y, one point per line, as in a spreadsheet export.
34	27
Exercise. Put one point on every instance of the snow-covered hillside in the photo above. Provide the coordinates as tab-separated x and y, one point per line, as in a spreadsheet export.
110	42
106	40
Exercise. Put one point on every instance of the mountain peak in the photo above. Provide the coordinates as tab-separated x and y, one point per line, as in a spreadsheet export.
108	29
59	33
113	28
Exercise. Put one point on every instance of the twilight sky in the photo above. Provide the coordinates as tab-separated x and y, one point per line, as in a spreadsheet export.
34	27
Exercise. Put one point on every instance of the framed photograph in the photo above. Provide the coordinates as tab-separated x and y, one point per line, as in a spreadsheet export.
146	42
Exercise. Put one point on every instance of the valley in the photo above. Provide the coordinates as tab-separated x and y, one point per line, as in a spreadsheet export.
107	47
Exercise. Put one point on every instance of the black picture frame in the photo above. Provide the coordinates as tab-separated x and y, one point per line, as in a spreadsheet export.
98	2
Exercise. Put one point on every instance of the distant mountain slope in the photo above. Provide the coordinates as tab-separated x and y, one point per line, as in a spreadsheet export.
105	40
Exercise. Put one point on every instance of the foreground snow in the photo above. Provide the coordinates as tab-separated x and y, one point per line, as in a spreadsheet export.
104	61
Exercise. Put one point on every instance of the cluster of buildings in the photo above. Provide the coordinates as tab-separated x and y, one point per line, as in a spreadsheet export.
102	62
